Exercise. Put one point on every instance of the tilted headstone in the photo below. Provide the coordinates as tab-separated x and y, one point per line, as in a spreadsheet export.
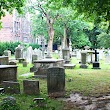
56	82
31	87
11	87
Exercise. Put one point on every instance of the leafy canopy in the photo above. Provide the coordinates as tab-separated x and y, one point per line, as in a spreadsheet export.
9	6
95	10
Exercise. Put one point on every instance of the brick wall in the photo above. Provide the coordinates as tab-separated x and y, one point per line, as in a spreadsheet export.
6	31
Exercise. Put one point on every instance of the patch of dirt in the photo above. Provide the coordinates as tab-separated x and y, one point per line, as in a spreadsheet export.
78	102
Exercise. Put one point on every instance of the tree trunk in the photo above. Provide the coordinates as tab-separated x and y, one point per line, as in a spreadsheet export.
51	36
65	38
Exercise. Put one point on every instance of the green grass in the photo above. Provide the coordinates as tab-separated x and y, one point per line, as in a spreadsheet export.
88	82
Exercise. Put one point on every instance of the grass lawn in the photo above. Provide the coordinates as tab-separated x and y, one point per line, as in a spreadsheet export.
88	82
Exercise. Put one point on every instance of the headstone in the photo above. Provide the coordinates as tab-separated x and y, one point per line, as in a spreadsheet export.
24	64
7	53
31	87
56	82
66	55
8	73
29	54
11	87
96	64
78	54
83	59
18	52
4	60
34	57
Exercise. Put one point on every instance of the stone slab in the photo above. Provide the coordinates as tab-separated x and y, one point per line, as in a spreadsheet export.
69	66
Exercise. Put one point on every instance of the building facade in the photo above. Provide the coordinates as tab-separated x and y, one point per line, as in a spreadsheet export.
16	28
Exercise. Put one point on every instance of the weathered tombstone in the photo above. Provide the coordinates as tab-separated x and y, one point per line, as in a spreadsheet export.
96	64
66	55
18	52
24	64
29	54
56	82
83	59
34	57
4	60
31	87
7	53
8	73
11	87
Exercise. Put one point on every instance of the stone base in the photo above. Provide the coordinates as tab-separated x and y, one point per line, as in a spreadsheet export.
83	66
40	76
69	66
96	65
56	94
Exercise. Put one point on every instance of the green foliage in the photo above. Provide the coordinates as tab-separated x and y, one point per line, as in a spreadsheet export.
34	46
7	105
8	46
39	27
9	6
93	37
104	40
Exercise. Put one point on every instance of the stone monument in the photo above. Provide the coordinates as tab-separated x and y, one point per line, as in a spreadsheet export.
56	82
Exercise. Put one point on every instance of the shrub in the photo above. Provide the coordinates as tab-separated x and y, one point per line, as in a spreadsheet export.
8	46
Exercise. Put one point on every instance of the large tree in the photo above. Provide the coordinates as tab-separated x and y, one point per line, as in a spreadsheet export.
50	17
9	6
95	10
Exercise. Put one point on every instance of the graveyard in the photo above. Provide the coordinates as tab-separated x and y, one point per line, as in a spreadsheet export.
54	55
77	88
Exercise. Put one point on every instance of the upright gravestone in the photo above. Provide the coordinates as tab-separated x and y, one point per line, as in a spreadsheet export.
18	52
29	54
31	87
56	81
83	59
34	57
96	64
4	60
7	53
66	55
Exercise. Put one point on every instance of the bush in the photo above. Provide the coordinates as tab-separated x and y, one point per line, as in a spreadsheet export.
8	46
34	46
